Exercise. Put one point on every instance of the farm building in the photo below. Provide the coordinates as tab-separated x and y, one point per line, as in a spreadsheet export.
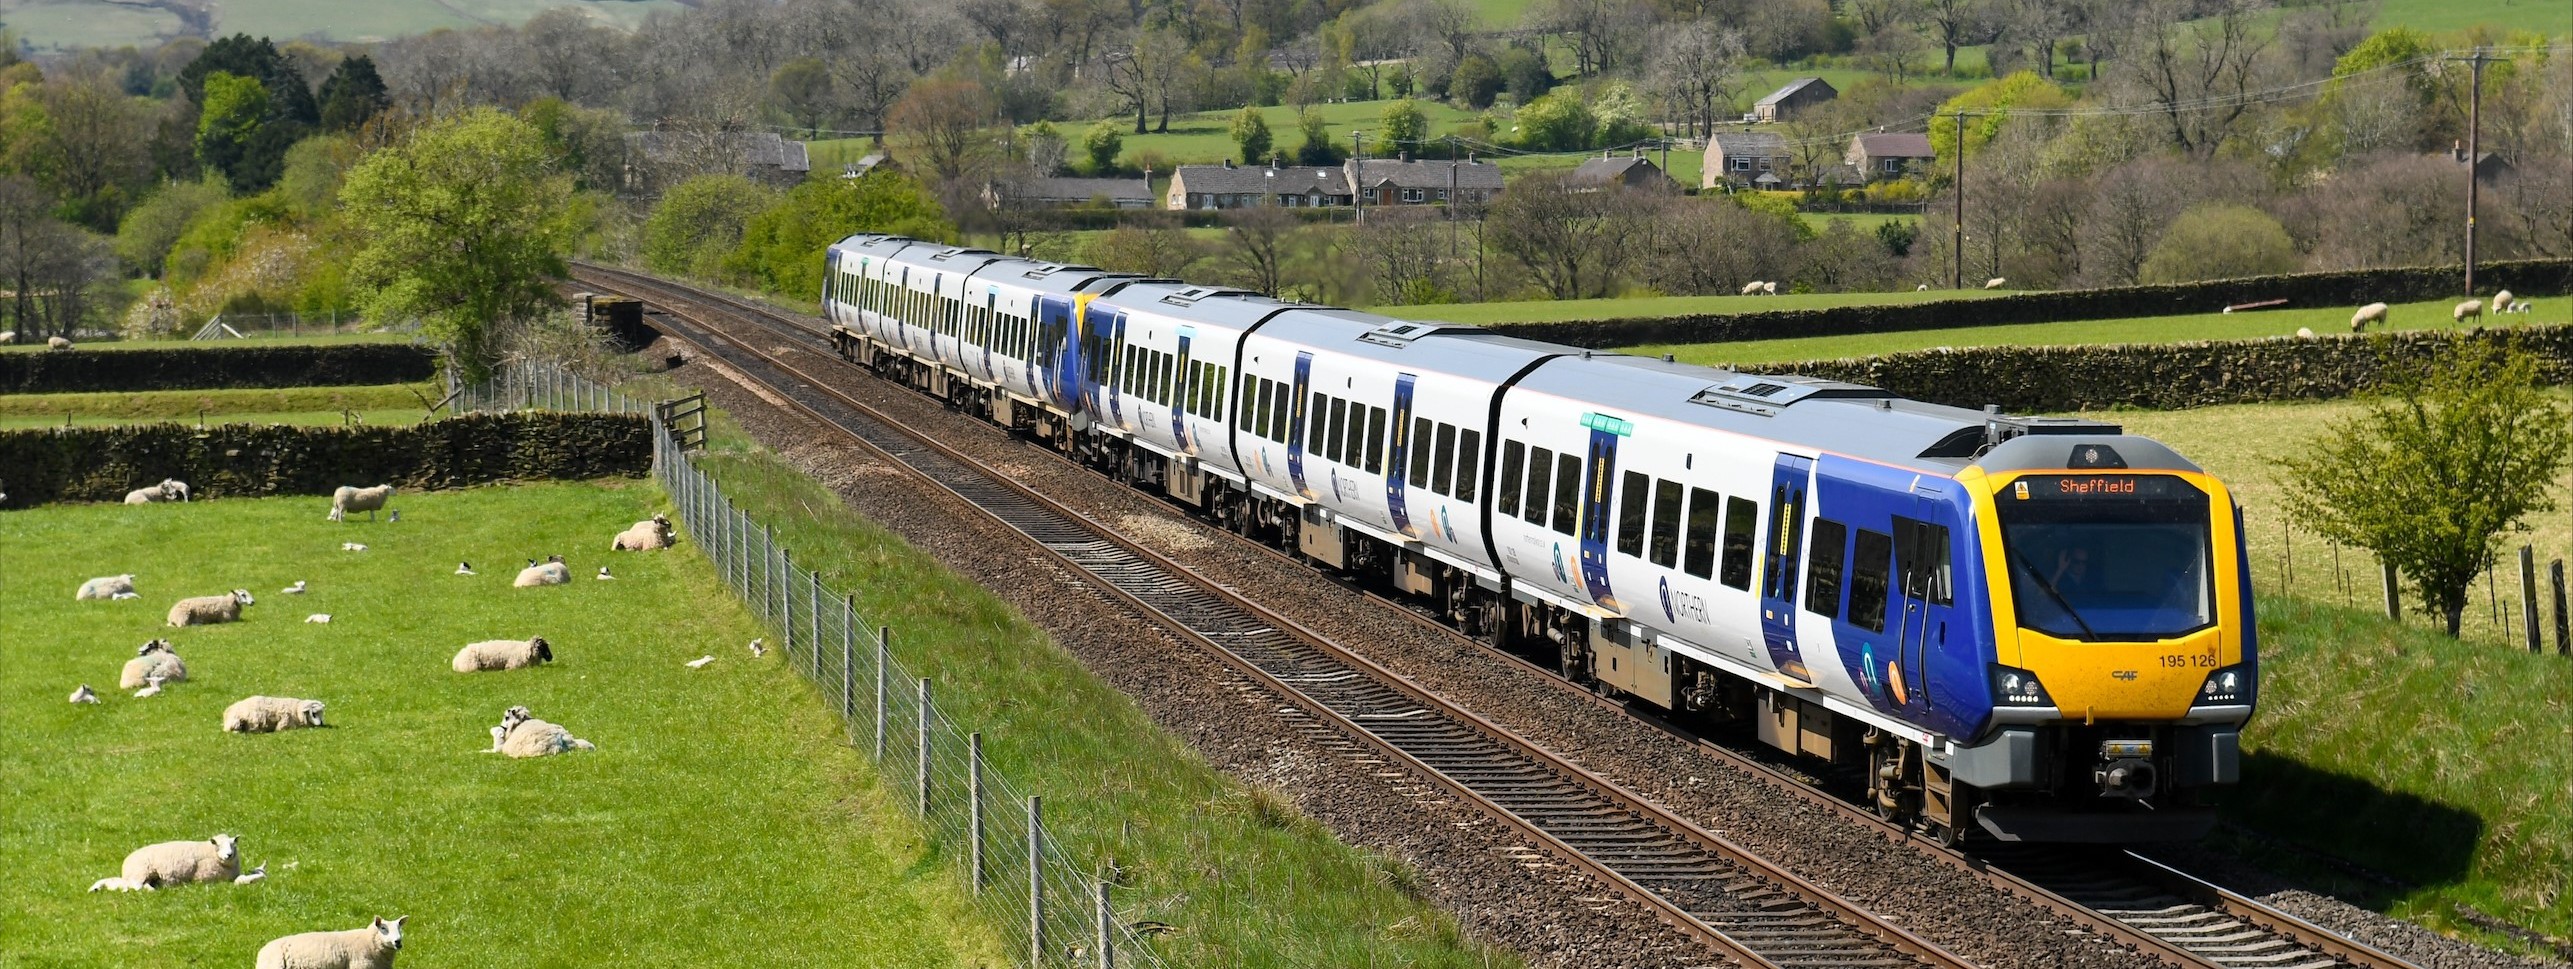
1624	171
657	159
1796	96
1403	181
1228	186
1880	155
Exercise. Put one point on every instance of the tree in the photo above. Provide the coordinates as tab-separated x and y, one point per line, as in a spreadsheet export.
2201	73
947	127
145	237
1251	134
1405	124
1695	71
1989	107
778	244
1556	122
1257	243
699	222
1046	148
1101	144
2437	468
1155	250
352	94
234	107
242	56
1574	241
465	228
1525	74
2219	241
803	88
1954	22
1476	81
1317	148
75	134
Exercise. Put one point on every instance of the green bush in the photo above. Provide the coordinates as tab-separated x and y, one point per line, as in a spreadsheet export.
699	222
2219	241
779	245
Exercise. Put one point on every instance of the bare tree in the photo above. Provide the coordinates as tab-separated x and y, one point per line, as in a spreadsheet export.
564	52
86	144
1713	245
1450	24
1258	241
1605	34
1697	70
1574	241
947	127
1955	23
1159	249
1873	16
1400	251
2200	72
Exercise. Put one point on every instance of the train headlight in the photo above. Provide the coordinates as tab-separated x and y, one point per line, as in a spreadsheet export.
2228	686
2015	687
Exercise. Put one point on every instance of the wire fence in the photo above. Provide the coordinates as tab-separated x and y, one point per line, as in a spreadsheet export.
1053	911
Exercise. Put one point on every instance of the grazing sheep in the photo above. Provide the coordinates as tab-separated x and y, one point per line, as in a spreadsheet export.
154	661
372	947
170	489
552	572
1994	283
2371	313
57	343
604	574
105	587
84	695
177	863
8	337
522	735
503	654
2502	301
368	500
208	610
2473	308
1769	288
645	536
1751	288
269	714
2304	333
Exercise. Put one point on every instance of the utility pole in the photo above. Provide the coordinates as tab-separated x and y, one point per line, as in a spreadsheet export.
1357	171
1956	238
2474	150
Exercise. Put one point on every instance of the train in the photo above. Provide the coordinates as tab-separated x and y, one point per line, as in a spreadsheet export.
2006	627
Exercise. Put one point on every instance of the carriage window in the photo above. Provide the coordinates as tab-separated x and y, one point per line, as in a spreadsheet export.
1167	381
1567	492
1279	415
1375	440
1419	447
1822	567
1445	467
1921	559
1701	533
1541	468
1666	523
1339	428
1511	454
1216	397
1740	533
1630	514
1469	464
1316	422
1867	580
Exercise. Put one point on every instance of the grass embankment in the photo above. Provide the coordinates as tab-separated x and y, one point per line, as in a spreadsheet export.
1556	311
376	404
322	339
1244	879
720	822
2323	320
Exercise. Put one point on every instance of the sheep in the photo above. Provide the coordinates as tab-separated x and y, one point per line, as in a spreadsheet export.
318	619
84	695
466	568
170	489
151	688
1769	288
368	500
8	337
699	662
57	343
522	735
604	574
552	572
1751	288
372	947
105	587
648	535
2473	308
122	596
503	654
1994	283
153	661
1923	288
2502	301
269	714
208	610
2304	333
2371	313
178	863
293	590
758	647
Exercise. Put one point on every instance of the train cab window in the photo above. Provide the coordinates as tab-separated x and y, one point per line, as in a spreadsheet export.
1703	512
1338	436
1419	447
1829	546
1666	523
1868	577
1741	531
1630	513
1921	559
1508	502
1541	469
1469	463
1375	440
1567	492
1443	469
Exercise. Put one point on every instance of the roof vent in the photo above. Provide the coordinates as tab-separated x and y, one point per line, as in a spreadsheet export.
1399	333
942	254
1190	296
1763	394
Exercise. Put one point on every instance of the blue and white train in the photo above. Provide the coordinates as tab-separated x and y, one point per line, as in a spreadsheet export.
2023	628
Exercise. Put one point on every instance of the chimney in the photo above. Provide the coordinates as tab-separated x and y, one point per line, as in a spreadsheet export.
1404	156
1277	159
1473	158
2457	150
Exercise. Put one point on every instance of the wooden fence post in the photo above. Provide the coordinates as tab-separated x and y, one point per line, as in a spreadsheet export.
1107	916
2528	599
849	662
920	764
2393	593
2563	630
884	657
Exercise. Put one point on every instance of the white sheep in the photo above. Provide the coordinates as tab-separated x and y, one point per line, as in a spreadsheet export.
269	714
154	661
551	572
105	587
2503	301
57	343
8	337
2304	333
122	596
170	489
2470	309
368	500
522	735
1769	288
2371	313
503	654
1994	283
208	610
179	863
1751	288
151	688
84	695
1923	288
371	947
644	536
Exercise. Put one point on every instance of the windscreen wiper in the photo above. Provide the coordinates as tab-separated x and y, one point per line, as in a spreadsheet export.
2024	566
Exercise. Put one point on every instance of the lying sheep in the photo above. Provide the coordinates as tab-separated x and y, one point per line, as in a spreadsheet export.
371	947
208	610
2371	313
170	489
2470	309
503	654
644	536
552	572
57	343
154	661
1994	283
521	735
105	587
269	714
2304	333
179	863
367	500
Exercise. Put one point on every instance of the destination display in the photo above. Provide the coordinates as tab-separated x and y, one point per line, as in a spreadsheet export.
2078	486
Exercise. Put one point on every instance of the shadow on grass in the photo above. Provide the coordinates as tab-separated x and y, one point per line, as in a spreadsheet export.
2350	819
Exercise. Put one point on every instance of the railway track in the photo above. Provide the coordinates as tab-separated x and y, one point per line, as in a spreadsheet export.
1737	903
2180	920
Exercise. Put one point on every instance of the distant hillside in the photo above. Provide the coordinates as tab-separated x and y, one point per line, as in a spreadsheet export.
55	24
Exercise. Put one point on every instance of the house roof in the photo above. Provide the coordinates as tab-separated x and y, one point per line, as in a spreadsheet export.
1753	143
1792	87
1376	172
1900	144
1611	169
1261	180
1081	189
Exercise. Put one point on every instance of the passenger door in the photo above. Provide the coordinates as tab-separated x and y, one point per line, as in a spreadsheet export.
1779	568
1924	591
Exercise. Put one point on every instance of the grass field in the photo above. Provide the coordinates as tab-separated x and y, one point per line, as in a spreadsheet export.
257	341
720	822
67	23
2151	329
388	404
1551	311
